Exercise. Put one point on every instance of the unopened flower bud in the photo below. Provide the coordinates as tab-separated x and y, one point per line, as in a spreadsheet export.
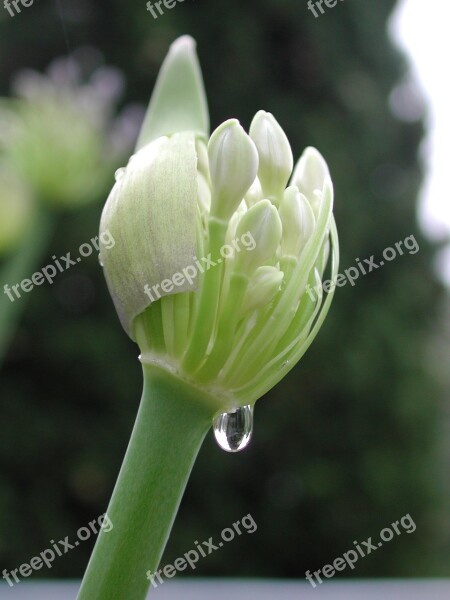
298	222
212	253
310	175
233	162
263	224
275	154
254	194
263	286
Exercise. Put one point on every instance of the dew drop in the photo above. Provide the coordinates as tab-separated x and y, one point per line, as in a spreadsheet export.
100	262
233	430
119	173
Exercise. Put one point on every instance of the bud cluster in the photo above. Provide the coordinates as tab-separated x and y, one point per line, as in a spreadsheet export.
239	327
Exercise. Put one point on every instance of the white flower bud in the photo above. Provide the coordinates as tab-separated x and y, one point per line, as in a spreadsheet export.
275	154
254	194
262	225
233	163
263	286
298	222
310	175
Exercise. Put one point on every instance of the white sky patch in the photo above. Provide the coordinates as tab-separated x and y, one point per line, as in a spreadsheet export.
422	30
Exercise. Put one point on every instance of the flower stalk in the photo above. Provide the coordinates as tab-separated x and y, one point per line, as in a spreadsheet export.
171	424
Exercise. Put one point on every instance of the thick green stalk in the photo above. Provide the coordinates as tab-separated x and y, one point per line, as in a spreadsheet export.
172	422
20	266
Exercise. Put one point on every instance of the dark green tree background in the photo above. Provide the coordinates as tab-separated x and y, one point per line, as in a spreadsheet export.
349	441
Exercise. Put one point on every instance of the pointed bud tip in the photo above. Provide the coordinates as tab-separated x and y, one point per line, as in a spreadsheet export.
185	43
275	154
233	161
178	102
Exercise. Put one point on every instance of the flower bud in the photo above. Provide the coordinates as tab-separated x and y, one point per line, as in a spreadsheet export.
233	162
202	159
309	176
298	222
275	154
254	194
224	249
262	223
263	286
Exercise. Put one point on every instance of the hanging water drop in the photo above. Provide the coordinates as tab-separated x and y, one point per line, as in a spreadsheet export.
233	430
119	173
100	262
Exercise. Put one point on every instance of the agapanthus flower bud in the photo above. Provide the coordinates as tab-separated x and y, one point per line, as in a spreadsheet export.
263	224
213	255
262	288
309	176
233	163
275	154
298	222
254	193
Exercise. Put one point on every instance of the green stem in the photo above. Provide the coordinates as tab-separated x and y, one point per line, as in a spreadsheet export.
19	267
172	422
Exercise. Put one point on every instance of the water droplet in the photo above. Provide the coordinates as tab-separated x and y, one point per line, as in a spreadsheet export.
100	262
119	173
233	430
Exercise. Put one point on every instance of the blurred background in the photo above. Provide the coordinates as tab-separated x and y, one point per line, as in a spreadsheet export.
358	434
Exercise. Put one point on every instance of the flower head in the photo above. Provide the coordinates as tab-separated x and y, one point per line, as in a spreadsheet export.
58	133
217	240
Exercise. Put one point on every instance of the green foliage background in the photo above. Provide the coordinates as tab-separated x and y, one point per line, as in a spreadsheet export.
351	440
